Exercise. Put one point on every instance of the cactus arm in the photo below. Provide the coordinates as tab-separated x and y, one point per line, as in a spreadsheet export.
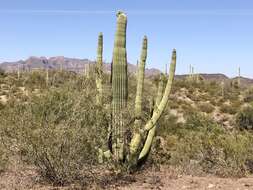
151	134
119	87
140	79
157	113
99	69
159	92
134	145
137	137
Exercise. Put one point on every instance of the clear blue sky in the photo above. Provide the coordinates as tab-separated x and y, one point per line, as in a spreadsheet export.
213	35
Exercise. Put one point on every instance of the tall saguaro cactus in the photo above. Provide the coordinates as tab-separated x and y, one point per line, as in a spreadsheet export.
99	69
119	86
142	133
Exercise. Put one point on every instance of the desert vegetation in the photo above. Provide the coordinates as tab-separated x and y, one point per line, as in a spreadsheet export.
85	129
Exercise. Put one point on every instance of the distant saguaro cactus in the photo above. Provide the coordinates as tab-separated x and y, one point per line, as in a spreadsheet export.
99	69
239	77
222	88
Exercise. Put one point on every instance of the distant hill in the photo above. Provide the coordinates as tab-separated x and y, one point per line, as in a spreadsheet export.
70	64
216	77
79	65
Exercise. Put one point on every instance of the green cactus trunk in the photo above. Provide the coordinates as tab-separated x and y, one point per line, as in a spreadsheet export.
119	87
99	69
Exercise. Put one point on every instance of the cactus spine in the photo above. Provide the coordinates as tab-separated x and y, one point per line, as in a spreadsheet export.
99	69
119	86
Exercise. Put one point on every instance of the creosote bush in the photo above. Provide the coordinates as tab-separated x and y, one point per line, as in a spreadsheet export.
244	118
202	146
206	107
57	132
4	157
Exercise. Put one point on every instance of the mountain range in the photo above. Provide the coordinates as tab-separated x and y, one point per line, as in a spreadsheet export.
79	66
60	62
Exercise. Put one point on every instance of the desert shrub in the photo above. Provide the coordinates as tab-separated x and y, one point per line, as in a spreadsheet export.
1	106
248	95
194	96
59	78
228	108
205	97
187	108
206	107
35	79
212	88
244	118
2	73
3	157
202	146
57	132
173	103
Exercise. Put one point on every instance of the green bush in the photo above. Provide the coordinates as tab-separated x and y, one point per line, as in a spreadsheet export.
230	109
206	107
202	146
2	73
244	118
3	157
57	131
35	79
248	95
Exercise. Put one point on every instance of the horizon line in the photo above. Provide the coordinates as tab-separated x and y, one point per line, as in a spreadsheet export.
106	62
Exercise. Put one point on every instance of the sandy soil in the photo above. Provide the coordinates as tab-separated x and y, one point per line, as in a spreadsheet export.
166	180
163	179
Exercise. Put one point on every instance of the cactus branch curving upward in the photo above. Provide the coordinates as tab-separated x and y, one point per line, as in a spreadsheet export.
140	79
156	115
